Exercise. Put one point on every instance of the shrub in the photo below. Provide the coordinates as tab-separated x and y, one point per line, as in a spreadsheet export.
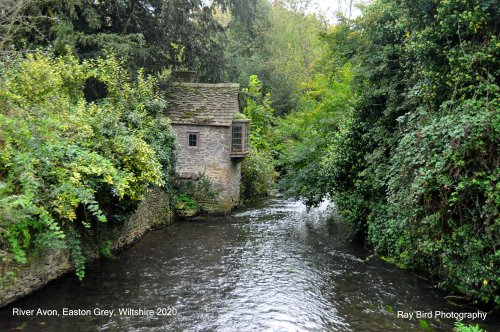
461	327
194	191
67	163
257	174
186	203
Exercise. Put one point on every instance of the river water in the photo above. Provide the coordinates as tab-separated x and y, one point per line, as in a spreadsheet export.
269	267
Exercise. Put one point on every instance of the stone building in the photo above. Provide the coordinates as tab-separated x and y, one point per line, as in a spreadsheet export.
212	139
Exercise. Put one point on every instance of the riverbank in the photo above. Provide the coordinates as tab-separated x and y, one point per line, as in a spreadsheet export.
18	280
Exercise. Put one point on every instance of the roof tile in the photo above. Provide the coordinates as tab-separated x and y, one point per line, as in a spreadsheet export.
203	104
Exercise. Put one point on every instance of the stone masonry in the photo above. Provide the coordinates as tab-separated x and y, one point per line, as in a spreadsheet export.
207	110
18	280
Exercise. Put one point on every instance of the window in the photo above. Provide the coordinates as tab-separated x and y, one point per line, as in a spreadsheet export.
239	137
246	137
193	140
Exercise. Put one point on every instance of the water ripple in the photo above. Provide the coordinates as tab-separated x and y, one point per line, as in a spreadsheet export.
271	267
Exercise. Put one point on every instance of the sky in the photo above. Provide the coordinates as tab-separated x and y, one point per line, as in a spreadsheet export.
329	8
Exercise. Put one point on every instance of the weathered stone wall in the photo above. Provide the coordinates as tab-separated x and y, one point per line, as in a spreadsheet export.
212	158
209	110
19	280
153	212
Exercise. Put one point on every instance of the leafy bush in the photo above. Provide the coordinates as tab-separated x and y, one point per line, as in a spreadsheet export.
430	135
309	134
461	327
257	169
258	109
186	203
414	164
441	209
194	191
67	163
257	174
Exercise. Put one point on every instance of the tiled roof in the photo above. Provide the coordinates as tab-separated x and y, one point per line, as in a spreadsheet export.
203	104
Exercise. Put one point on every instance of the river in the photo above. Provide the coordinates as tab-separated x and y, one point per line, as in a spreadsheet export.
269	267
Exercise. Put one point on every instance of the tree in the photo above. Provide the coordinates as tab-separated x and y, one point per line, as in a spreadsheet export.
154	34
414	164
12	21
283	48
258	174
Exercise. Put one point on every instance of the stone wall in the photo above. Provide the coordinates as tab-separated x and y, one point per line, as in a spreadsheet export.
212	158
153	212
19	280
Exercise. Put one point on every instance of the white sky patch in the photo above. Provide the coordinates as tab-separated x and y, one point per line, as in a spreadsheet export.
330	8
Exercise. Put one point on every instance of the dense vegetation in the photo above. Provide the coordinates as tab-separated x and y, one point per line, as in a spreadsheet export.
156	35
257	169
281	47
410	154
68	162
80	136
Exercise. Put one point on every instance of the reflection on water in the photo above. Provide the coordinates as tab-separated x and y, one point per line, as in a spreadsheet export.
270	267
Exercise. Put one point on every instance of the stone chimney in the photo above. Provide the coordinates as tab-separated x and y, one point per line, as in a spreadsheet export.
186	76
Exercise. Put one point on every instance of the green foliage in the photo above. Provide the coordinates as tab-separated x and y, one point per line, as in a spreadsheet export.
240	116
257	169
282	47
152	34
64	160
257	174
75	247
414	163
461	327
424	325
437	170
193	191
185	203
311	133
431	170
258	109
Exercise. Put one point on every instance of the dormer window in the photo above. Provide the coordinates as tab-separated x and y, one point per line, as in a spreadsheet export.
240	138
